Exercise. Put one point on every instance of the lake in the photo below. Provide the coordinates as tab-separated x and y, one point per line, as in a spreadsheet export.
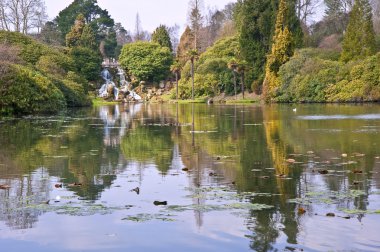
192	177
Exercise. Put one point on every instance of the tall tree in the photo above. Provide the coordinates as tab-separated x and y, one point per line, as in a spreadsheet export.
282	50
97	18
196	20
215	21
359	39
138	29
176	70
256	21
174	37
74	36
192	56
50	34
88	38
22	15
186	43
162	37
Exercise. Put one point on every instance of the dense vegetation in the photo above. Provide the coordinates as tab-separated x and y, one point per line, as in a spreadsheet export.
146	61
37	78
273	50
270	47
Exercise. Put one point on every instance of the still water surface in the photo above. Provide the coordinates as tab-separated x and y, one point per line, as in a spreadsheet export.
192	178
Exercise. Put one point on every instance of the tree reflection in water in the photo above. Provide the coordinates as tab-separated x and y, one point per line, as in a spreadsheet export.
240	148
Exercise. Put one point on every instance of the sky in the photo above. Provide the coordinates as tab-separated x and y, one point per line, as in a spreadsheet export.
152	12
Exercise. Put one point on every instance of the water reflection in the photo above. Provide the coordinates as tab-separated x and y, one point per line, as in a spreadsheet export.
196	155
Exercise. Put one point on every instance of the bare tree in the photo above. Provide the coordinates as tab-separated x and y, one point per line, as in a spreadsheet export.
22	15
376	15
174	36
306	9
196	19
140	34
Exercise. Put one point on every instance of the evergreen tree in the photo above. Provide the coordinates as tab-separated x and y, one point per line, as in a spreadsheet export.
162	37
359	40
282	50
74	36
88	38
256	21
98	19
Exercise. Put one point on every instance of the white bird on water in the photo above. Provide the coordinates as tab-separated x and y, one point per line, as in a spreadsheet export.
294	110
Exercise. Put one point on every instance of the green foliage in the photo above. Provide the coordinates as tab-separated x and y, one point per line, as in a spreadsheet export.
311	77
45	79
162	37
159	142
282	50
359	40
212	75
24	90
256	24
146	61
73	91
87	62
98	20
75	34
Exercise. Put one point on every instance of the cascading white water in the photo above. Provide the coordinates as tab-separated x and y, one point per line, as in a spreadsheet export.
108	86
125	86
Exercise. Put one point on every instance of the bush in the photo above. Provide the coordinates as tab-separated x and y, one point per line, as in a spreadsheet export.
37	78
74	93
24	90
87	62
146	61
212	75
310	76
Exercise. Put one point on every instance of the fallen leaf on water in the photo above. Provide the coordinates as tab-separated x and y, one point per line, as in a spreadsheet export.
357	171
323	171
301	210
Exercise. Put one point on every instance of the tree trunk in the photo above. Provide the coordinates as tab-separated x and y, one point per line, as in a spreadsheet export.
242	83
192	79
176	82
234	83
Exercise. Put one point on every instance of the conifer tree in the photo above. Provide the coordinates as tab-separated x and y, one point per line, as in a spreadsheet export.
282	50
73	37
256	20
359	40
162	37
88	38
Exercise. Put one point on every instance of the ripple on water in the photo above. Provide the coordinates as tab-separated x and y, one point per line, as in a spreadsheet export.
340	117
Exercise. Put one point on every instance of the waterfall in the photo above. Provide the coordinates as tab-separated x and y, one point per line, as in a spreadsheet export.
109	87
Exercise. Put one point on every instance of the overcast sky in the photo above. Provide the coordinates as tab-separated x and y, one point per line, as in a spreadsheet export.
152	12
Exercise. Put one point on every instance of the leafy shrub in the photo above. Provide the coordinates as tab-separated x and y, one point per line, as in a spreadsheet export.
311	76
212	75
24	90
86	62
37	78
146	61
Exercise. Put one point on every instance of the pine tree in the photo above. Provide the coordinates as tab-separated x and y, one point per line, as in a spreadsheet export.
162	37
359	40
282	50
